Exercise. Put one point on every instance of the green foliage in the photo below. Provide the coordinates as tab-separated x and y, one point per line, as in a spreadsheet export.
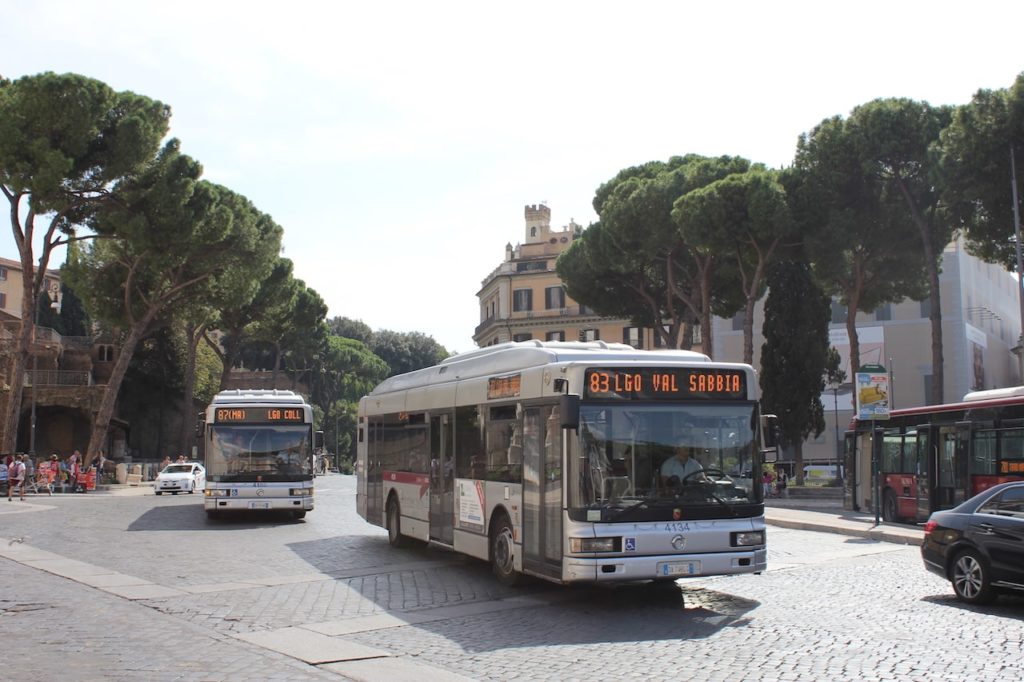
793	357
351	329
207	371
407	351
975	154
641	262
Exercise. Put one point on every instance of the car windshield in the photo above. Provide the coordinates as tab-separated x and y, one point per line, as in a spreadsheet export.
177	469
697	460
259	453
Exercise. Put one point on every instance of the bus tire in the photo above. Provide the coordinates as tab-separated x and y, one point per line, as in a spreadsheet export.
890	509
394	524
503	550
299	514
970	577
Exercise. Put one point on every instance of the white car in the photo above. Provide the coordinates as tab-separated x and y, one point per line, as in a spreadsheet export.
181	477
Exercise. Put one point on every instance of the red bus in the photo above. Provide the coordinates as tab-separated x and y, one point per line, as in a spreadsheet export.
923	459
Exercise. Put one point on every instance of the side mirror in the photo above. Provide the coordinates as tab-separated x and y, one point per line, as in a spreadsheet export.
318	440
569	408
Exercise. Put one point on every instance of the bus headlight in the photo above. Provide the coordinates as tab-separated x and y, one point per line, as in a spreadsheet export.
594	545
300	492
216	492
748	539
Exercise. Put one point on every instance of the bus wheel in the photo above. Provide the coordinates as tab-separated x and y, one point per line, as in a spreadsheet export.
395	537
299	514
889	508
970	578
503	553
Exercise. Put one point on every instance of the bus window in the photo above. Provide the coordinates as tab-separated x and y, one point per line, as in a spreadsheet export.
983	452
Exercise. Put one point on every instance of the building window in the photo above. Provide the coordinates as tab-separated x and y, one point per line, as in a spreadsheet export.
532	266
554	297
522	299
522	337
555	336
3	300
533	231
105	353
3	274
737	320
883	312
926	308
838	312
590	335
634	336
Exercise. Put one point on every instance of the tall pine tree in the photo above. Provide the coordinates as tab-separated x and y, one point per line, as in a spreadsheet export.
793	356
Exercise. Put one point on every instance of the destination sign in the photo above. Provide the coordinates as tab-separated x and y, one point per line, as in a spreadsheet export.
665	383
258	415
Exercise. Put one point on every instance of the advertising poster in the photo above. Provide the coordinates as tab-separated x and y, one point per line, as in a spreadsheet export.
471	504
977	342
872	351
872	395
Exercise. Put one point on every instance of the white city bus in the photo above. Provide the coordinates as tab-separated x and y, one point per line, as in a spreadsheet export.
544	459
259	452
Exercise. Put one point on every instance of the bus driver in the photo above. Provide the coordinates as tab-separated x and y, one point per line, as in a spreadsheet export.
675	469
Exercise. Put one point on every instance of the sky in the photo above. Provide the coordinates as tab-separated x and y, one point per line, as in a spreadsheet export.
397	143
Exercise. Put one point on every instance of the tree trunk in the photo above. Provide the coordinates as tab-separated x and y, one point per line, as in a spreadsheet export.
706	342
188	424
19	356
748	331
101	423
798	461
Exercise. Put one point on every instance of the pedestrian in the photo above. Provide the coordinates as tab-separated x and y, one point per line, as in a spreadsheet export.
3	473
181	459
766	483
16	478
782	482
74	468
165	463
101	465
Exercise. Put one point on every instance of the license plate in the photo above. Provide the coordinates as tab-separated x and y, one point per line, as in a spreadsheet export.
259	505
680	568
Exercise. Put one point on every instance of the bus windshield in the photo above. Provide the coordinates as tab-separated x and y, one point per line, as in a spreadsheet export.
259	453
696	460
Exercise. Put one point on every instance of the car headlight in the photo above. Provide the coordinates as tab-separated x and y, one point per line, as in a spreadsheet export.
748	539
594	544
301	492
215	492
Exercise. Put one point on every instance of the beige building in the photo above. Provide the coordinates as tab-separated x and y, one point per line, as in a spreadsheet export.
524	299
11	293
980	331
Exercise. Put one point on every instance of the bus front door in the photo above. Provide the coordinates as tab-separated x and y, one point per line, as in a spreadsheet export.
442	481
542	491
374	480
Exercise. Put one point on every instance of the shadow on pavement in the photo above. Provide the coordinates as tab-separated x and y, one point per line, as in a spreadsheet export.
192	517
1005	606
574	614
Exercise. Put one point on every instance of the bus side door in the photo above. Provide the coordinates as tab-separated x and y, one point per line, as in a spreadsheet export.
374	482
923	471
542	490
442	480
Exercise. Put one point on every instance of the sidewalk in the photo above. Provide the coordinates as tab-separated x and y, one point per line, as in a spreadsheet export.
838	520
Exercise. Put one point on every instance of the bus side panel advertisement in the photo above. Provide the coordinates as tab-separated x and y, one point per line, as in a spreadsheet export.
471	504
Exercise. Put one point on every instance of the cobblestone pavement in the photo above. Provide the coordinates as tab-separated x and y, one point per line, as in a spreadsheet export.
204	600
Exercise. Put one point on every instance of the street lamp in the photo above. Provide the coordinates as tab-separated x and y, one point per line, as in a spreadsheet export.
55	300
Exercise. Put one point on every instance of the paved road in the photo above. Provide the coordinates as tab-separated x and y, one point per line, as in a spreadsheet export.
139	587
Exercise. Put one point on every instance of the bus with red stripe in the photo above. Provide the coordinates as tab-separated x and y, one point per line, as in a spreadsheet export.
923	459
558	460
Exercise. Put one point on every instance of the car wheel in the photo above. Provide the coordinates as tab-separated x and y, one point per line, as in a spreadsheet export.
192	489
159	492
503	553
889	508
394	520
970	578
